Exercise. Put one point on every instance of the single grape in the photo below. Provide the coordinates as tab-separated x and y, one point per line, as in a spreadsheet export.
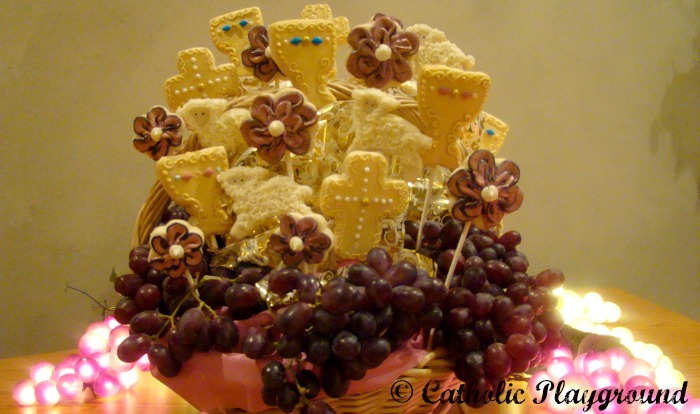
483	302
159	357
329	323
319	349
401	273
255	344
317	407
274	375
539	331
138	260
374	351
288	397
226	335
516	324
294	319
510	240
469	250
404	327
470	367
550	278
525	310
308	380
463	342
474	278
518	293
445	258
360	274
133	347
517	264
411	228
481	241
213	292
457	297
407	299
355	369
363	324
431	232
338	298
190	325
521	346
498	272
346	346
148	322
125	309
552	320
484	330
155	277
379	293
458	318
128	284
497	362
307	288
333	380
503	308
488	253
290	347
284	280
473	261
384	318
251	275
148	296
178	350
450	233
175	285
241	296
269	396
379	259
430	316
433	289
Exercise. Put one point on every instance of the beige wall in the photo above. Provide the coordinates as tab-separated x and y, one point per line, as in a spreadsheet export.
602	98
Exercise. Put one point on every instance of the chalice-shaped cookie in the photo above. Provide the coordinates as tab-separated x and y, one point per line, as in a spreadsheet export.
448	99
229	32
305	51
190	179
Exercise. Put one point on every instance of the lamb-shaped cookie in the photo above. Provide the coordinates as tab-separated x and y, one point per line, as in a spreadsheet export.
215	125
435	49
259	199
377	129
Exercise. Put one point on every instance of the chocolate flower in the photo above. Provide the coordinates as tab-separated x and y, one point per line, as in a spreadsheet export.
484	190
280	123
258	55
381	53
301	239
157	131
175	246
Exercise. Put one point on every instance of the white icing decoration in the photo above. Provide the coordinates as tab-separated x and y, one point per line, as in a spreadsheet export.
489	193
276	128
176	251
382	53
296	244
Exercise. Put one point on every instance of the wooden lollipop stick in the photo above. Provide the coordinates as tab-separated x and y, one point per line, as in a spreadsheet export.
426	205
290	167
458	254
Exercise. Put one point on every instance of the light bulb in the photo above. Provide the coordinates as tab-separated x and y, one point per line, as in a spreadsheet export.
69	386
106	385
46	393
41	372
87	369
128	379
23	393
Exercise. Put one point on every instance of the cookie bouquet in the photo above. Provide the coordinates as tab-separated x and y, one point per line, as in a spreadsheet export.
310	240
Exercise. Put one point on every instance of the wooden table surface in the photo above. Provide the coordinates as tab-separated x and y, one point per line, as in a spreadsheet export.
677	335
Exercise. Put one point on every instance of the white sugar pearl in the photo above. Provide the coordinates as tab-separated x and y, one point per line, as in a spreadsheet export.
382	53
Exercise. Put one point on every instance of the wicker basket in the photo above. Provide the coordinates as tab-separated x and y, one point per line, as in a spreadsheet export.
434	366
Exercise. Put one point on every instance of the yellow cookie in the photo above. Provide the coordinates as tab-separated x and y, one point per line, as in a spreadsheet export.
229	33
305	52
359	199
200	78
323	11
493	133
447	100
190	180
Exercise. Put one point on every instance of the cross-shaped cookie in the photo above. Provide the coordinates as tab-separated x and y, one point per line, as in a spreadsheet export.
359	199
200	78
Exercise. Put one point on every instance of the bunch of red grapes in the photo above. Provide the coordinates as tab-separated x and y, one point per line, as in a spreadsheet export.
495	319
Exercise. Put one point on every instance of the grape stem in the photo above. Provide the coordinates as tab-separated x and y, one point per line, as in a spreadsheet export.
104	306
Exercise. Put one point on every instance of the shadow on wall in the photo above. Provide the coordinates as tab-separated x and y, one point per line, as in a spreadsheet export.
680	117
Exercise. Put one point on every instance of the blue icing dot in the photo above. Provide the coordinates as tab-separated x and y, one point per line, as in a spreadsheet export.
316	40
243	23
226	27
490	131
295	40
